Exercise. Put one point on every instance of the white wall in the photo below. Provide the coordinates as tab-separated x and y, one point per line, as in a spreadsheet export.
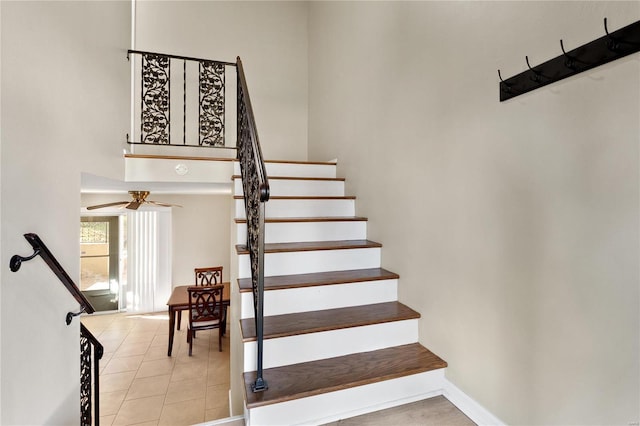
271	39
513	226
200	230
64	109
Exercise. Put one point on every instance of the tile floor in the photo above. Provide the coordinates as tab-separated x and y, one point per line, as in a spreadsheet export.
140	385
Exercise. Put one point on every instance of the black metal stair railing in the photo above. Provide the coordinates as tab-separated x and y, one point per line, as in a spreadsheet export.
157	95
87	340
90	350
255	184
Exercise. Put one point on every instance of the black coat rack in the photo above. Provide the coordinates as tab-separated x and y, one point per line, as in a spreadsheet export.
610	47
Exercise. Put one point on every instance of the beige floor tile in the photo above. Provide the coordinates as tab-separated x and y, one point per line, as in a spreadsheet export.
116	381
107	420
111	344
131	349
156	352
119	365
160	340
110	334
217	396
183	413
151	423
159	367
217	413
110	402
106	357
185	390
186	371
218	373
148	386
140	337
139	410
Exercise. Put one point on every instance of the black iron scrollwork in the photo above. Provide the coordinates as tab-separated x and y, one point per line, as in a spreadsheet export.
155	124
256	192
85	381
212	84
90	350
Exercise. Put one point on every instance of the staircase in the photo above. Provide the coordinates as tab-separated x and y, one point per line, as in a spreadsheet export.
337	342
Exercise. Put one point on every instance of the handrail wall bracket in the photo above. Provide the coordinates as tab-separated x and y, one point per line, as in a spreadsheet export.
39	248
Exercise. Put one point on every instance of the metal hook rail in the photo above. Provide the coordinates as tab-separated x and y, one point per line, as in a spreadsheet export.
605	49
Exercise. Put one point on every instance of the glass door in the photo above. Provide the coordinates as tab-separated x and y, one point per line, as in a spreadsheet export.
99	261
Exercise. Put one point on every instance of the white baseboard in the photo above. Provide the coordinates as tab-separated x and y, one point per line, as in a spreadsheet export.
476	412
235	421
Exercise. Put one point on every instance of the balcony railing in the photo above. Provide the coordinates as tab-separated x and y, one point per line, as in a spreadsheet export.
179	100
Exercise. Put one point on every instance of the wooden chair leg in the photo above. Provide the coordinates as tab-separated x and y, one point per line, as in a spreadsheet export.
220	339
224	322
189	340
179	319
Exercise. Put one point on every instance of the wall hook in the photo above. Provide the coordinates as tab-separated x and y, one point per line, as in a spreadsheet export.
569	61
536	74
612	43
609	47
16	260
506	85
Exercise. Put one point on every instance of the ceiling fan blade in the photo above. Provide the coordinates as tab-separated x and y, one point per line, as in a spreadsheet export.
100	206
133	205
163	204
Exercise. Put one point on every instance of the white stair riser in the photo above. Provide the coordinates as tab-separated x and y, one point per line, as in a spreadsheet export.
303	208
308	231
333	406
306	262
299	188
317	298
329	344
297	170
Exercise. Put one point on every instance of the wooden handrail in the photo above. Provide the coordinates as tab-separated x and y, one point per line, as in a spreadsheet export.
41	249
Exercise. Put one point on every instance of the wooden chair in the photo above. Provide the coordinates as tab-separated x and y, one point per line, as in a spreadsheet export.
208	276
205	311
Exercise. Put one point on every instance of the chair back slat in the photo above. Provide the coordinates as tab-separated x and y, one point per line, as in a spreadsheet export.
208	276
205	303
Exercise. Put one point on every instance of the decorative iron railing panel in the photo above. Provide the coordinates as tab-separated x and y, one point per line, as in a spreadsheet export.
255	185
155	122
211	103
90	350
179	93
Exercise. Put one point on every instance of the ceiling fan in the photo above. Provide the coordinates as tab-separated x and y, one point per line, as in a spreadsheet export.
138	198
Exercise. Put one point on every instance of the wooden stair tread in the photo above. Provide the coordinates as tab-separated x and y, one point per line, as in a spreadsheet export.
312	163
302	380
319	278
336	179
310	219
304	197
329	319
312	246
202	158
